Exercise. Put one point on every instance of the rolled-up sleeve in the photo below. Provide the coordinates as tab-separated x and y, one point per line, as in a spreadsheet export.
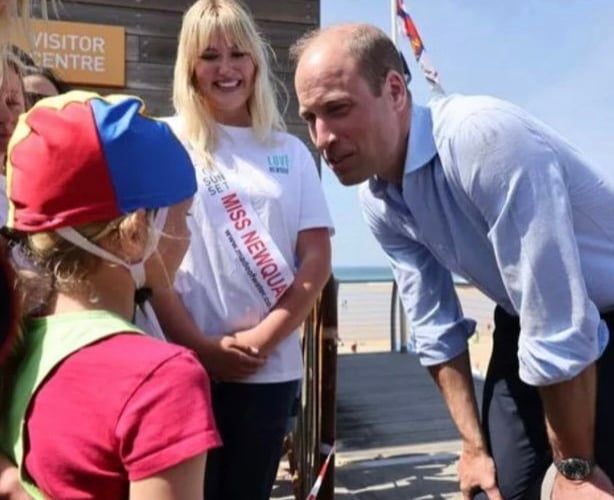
515	178
437	326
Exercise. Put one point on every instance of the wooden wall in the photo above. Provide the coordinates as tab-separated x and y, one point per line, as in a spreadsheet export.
152	27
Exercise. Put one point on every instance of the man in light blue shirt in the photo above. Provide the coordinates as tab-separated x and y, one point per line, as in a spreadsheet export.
477	187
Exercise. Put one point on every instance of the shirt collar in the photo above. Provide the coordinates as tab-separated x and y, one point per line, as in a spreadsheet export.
420	148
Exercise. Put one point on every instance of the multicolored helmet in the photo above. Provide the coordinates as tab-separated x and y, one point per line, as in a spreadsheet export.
79	158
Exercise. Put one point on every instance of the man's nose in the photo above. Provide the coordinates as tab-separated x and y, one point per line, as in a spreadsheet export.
324	136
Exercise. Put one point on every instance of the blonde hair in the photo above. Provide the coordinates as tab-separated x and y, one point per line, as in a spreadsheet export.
50	264
15	20
203	20
61	266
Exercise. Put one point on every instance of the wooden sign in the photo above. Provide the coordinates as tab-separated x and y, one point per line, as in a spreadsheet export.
80	53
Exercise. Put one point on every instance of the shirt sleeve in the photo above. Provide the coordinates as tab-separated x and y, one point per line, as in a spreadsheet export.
168	419
314	209
426	289
513	175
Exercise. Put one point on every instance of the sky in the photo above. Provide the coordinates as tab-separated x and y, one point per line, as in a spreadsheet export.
555	58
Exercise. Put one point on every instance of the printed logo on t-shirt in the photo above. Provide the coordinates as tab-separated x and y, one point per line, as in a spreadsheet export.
278	164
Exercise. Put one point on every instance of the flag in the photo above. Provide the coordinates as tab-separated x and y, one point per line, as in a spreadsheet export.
411	32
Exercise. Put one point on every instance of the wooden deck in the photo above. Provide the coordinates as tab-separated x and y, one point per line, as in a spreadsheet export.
388	399
395	438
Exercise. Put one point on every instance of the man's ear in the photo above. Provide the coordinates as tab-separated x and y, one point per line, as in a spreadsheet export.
397	89
133	234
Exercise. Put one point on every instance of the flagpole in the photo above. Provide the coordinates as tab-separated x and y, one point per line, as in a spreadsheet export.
393	21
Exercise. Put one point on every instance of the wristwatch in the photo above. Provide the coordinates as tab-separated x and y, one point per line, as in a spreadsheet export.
576	469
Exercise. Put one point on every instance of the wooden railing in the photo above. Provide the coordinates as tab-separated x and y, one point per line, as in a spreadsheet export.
315	429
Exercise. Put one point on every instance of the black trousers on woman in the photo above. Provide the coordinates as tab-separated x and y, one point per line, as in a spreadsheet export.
252	420
513	417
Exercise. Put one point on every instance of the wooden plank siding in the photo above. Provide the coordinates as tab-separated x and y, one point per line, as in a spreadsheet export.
152	27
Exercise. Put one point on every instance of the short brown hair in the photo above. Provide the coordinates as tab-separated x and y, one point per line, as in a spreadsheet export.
372	49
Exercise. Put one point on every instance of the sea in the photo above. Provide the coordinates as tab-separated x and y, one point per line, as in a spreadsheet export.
363	274
365	305
371	274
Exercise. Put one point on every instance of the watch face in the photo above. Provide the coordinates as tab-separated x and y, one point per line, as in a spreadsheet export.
574	468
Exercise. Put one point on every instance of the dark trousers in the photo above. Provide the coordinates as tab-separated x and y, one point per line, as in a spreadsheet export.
513	416
252	420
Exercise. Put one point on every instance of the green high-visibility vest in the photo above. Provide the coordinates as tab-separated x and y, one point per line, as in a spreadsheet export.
48	341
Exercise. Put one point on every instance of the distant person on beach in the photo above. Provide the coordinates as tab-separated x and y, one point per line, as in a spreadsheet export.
475	186
260	249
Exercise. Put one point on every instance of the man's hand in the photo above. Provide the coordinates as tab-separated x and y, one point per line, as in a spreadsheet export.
227	359
476	469
10	486
597	487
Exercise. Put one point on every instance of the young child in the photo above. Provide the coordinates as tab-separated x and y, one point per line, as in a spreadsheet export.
99	194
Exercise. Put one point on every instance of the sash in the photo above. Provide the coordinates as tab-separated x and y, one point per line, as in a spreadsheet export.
245	237
250	247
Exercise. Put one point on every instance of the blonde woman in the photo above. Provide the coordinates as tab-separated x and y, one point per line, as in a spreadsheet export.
260	249
14	21
15	15
99	197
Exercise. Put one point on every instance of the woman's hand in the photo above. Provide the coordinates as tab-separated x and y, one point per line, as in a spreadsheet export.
228	359
256	338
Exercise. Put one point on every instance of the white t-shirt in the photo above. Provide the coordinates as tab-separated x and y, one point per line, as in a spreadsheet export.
280	181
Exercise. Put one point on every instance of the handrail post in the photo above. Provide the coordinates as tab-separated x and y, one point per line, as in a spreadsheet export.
328	381
393	317
397	305
402	326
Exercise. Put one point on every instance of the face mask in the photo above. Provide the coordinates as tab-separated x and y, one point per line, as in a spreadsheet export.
137	270
145	315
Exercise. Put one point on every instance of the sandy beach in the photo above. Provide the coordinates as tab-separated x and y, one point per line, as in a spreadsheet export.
364	320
